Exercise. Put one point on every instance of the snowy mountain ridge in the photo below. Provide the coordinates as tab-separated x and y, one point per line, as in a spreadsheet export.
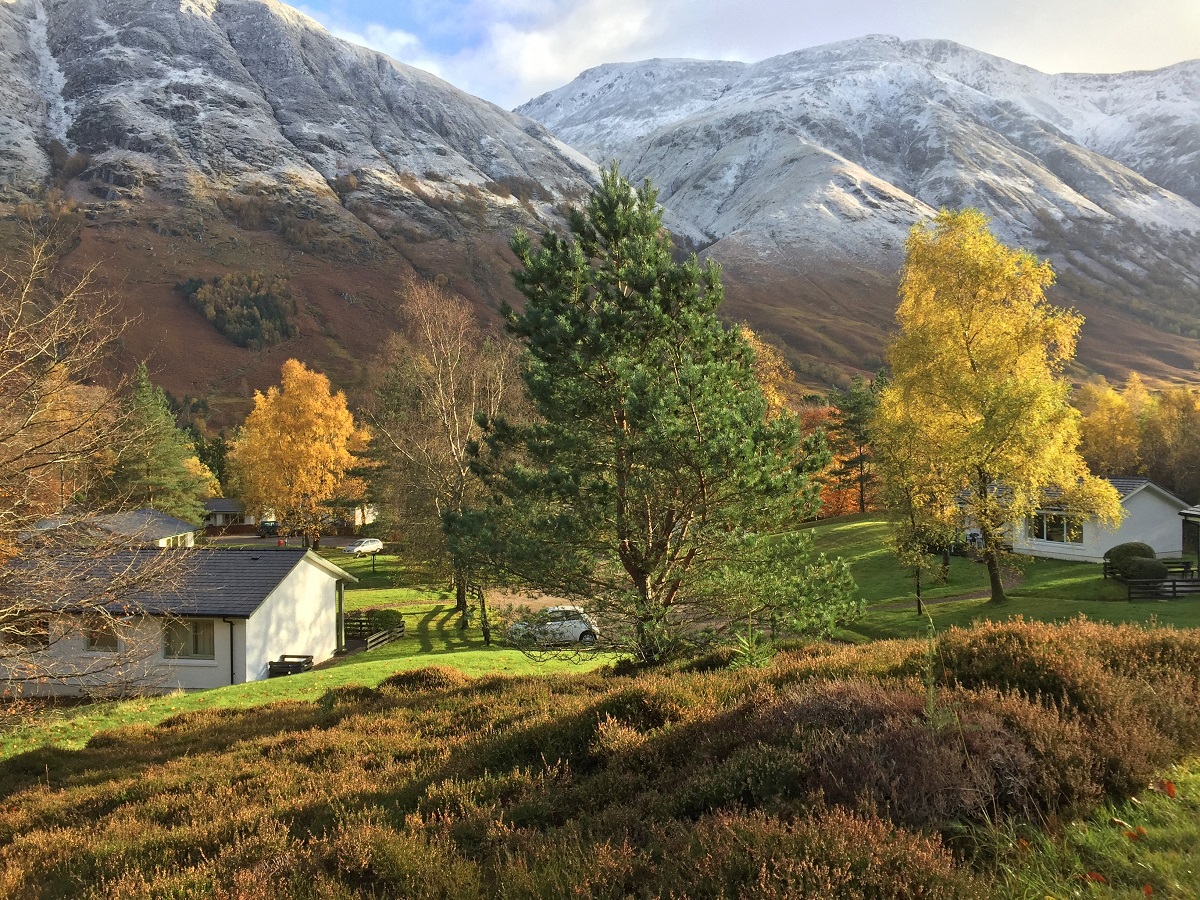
1121	116
197	138
818	162
235	95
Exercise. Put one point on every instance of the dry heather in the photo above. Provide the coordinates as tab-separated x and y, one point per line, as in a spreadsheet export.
840	772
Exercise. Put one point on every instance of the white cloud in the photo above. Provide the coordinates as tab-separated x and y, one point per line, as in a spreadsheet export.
396	43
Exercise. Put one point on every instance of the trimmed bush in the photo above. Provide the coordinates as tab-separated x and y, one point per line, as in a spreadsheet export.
1129	550
1138	568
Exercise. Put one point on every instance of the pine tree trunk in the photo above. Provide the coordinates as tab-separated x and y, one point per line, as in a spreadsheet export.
460	599
483	619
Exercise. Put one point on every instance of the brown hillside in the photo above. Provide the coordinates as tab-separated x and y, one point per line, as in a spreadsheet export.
832	322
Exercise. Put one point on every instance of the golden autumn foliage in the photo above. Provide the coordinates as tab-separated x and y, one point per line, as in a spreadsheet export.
976	424
294	452
1111	425
210	486
1139	432
771	371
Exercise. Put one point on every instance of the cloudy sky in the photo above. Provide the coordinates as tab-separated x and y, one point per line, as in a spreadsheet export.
511	50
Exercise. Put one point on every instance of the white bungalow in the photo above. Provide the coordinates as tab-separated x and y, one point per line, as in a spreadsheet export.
1151	516
149	527
226	615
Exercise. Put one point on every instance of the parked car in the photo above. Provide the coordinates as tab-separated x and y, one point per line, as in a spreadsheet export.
270	528
363	545
556	626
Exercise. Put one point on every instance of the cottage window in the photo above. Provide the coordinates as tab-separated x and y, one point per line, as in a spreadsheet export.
189	639
1056	527
101	637
32	633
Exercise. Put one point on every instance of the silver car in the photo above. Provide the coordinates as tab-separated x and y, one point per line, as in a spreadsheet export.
363	545
556	626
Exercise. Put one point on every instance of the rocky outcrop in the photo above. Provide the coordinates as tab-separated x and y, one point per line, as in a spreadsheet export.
204	96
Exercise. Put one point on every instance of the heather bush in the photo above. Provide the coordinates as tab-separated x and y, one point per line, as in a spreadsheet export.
431	678
831	773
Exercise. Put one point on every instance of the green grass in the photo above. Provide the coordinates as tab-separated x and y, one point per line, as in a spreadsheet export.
1047	590
862	540
1164	855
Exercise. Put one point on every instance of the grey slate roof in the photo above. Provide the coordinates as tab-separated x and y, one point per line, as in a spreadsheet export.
1126	486
144	524
225	583
223	505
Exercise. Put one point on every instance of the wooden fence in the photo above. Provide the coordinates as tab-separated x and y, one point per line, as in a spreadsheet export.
359	627
1165	589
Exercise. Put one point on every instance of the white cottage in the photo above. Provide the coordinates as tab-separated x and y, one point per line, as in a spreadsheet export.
147	526
1151	515
226	615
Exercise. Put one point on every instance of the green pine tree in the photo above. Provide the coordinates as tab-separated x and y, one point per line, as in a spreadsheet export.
850	434
152	471
650	476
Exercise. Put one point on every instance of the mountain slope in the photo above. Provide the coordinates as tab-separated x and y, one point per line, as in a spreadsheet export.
204	137
816	163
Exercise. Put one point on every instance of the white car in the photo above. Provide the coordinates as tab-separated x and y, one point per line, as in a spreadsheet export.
556	626
363	545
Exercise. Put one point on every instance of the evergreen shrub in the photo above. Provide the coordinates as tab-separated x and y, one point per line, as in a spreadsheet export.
1129	550
1140	568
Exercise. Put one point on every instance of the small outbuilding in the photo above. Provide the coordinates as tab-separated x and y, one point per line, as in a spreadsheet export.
1151	516
224	515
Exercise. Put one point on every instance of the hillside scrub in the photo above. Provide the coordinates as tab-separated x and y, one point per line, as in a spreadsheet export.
251	309
838	771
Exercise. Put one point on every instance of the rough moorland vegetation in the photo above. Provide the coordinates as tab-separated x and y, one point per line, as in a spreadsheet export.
840	772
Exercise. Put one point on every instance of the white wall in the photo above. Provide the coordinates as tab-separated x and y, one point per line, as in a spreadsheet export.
1150	517
298	617
139	663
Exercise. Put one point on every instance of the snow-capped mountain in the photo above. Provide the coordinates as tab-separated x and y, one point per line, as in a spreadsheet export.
820	161
236	94
200	138
196	138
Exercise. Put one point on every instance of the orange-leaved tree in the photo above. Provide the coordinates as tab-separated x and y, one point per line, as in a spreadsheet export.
293	455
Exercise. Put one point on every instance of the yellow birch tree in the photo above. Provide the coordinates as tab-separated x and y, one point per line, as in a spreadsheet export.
294	452
977	409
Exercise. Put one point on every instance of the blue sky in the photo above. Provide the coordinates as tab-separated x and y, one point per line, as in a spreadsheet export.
511	50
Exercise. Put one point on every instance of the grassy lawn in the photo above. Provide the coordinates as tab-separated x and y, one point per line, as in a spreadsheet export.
1107	856
1047	589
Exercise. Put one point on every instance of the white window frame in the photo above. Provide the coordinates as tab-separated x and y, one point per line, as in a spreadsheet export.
190	625
1038	527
